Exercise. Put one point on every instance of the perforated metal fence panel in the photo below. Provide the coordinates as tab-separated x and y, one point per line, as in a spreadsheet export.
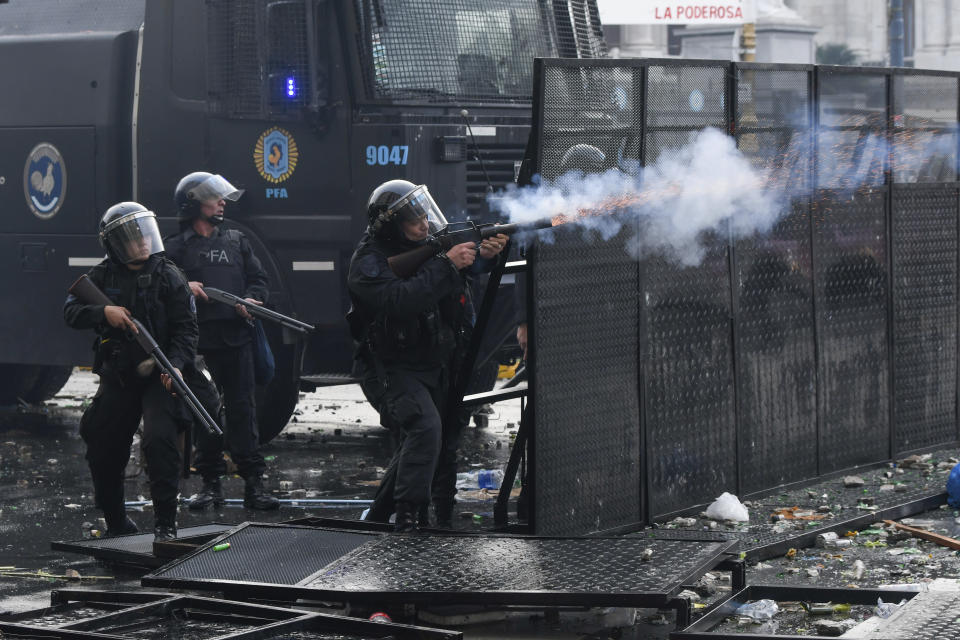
282	554
773	276
688	352
924	254
591	465
925	315
455	569
823	340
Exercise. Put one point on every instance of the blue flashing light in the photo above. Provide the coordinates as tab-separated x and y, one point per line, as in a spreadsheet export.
292	89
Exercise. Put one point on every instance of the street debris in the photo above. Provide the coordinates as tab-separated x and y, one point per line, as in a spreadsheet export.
887	609
728	507
69	574
796	513
945	541
760	610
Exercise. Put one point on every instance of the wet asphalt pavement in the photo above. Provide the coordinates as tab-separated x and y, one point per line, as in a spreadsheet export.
335	449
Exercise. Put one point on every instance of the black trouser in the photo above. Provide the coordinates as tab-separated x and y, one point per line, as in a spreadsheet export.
108	426
232	371
411	406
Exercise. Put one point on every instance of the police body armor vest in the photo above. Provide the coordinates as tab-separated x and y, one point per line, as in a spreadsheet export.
216	262
140	293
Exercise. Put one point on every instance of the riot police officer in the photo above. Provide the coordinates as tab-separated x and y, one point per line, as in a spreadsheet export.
223	259
408	333
145	286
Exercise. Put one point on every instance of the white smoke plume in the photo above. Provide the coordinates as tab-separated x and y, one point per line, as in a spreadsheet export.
708	185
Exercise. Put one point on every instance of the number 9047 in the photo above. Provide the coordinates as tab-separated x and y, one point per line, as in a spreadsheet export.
384	155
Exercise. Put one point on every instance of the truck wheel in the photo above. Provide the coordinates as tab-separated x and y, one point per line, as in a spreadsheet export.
32	383
15	381
276	401
48	382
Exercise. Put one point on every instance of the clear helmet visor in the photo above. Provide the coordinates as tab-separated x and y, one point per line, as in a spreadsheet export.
216	187
419	205
133	238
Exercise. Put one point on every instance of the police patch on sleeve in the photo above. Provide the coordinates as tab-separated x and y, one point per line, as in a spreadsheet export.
369	266
193	304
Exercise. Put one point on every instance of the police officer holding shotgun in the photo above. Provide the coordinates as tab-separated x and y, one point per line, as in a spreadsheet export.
409	333
142	285
225	260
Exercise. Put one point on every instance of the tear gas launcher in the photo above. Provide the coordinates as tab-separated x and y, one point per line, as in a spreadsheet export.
87	292
406	264
257	311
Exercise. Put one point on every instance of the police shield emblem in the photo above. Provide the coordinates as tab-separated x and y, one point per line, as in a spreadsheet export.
44	180
276	155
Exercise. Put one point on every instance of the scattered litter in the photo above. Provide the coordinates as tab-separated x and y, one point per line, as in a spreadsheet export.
833	628
953	487
830	540
760	610
853	481
943	541
70	574
824	608
682	523
887	609
728	507
901	551
859	568
796	513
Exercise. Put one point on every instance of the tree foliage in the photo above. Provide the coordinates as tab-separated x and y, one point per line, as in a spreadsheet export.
835	53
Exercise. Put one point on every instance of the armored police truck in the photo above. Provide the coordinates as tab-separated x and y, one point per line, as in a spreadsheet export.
305	104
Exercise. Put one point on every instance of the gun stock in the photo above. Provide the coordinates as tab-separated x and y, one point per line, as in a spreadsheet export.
86	291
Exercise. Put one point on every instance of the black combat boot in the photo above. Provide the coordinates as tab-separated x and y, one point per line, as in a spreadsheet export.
406	521
254	496
109	497
165	523
443	511
120	527
210	493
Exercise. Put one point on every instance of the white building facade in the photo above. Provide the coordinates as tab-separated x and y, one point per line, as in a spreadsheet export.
790	31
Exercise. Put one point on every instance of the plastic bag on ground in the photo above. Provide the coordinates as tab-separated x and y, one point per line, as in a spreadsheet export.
887	609
760	610
953	487
728	507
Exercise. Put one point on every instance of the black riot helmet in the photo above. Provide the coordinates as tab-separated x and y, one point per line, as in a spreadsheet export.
129	233
198	187
585	158
398	200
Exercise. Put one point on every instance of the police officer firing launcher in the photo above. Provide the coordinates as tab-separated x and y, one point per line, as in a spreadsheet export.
225	260
145	286
409	333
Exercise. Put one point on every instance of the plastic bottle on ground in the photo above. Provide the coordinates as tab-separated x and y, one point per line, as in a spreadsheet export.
760	610
480	479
